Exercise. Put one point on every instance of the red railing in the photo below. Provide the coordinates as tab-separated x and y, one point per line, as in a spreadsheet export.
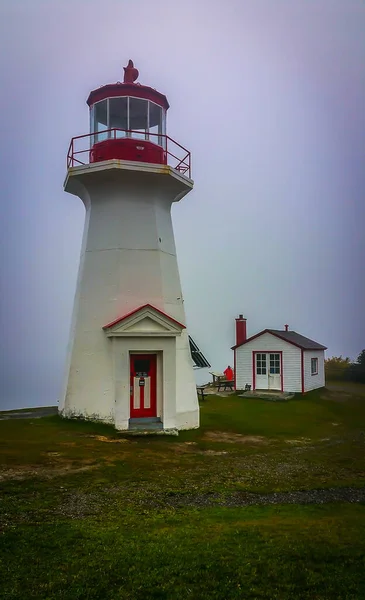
175	155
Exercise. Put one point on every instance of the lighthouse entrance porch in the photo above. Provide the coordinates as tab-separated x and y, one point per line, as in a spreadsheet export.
151	362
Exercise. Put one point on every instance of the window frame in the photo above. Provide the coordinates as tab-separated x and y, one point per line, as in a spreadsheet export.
315	370
162	128
274	363
261	363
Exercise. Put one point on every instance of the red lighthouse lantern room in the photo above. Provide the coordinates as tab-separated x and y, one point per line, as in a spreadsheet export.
128	122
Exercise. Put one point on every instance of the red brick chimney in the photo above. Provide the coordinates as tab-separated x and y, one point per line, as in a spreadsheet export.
286	327
241	332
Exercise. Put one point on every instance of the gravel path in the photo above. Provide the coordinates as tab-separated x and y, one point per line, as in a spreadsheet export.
351	495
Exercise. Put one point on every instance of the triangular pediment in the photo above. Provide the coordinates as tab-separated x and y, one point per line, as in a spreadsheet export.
143	322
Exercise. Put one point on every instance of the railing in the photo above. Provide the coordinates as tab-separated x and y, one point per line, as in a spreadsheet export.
175	155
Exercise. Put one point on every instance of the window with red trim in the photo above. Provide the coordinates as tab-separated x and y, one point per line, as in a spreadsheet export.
314	366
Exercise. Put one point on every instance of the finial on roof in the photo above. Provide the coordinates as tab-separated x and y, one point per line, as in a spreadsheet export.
130	73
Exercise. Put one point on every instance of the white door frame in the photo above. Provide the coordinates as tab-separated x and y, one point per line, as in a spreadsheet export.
267	369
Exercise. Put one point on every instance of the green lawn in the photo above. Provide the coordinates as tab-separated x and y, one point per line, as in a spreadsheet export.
88	513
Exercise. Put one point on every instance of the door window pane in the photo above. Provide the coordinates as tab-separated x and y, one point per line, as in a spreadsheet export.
275	364
261	364
142	367
138	118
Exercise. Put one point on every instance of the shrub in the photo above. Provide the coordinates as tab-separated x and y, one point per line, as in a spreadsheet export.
342	369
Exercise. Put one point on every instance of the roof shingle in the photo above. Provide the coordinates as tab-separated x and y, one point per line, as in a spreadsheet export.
297	339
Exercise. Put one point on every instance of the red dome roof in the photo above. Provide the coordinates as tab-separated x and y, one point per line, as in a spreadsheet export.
111	90
128	88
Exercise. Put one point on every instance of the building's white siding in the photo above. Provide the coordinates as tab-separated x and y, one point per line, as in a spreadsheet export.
312	382
291	362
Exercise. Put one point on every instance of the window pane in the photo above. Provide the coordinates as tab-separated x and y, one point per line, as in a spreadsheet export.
118	116
163	122
264	370
138	113
155	123
142	365
101	120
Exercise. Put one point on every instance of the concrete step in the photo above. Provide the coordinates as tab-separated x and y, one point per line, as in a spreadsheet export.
150	431
144	420
145	424
272	396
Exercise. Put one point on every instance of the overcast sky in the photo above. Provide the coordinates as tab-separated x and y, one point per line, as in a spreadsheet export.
268	95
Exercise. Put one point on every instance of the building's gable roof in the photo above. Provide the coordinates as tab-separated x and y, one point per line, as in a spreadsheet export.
292	337
299	340
149	320
140	309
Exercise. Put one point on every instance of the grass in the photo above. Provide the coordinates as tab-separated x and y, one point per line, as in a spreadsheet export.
87	513
281	552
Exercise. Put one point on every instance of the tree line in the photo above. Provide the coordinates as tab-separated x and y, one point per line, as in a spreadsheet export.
342	369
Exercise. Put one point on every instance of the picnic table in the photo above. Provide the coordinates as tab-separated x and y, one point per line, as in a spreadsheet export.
216	376
226	383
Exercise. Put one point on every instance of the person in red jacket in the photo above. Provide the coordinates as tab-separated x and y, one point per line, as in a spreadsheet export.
228	373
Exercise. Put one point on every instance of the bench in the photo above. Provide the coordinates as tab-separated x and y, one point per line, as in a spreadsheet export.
200	390
224	383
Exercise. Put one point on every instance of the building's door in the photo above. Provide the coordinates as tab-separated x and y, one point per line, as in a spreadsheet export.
268	371
143	385
261	379
274	371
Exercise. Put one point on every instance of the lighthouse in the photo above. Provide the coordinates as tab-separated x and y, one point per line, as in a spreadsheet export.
130	355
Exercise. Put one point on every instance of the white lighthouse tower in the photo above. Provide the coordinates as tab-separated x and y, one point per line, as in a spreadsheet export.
129	360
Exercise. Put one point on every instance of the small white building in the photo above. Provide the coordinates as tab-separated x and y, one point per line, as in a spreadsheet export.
280	360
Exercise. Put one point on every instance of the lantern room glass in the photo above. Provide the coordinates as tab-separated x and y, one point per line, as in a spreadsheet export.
101	120
132	117
118	115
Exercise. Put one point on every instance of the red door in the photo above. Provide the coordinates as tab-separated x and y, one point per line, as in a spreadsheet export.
143	385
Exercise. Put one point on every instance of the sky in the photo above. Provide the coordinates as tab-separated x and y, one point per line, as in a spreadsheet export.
269	97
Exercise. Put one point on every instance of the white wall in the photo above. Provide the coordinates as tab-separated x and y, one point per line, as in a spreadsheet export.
267	342
312	382
187	405
129	260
